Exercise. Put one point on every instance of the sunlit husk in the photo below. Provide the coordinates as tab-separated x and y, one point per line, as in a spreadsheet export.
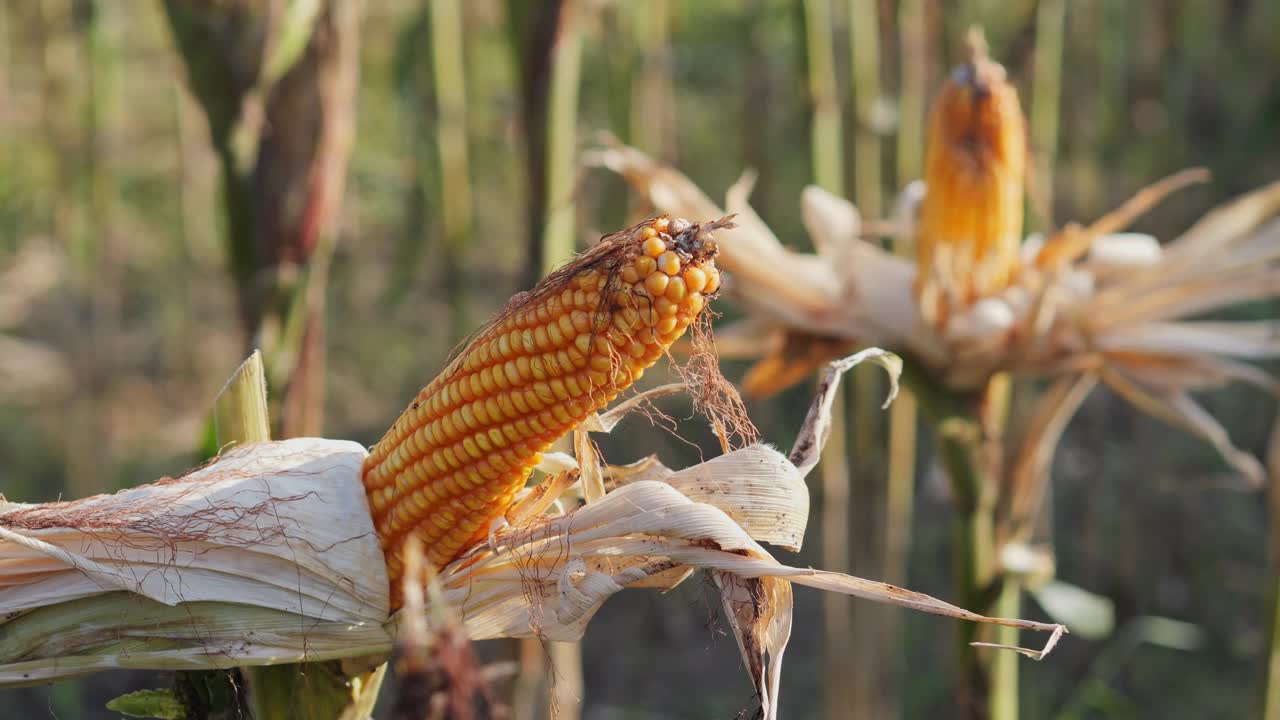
267	555
1110	305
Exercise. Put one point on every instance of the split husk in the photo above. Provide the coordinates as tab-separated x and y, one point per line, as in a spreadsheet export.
267	555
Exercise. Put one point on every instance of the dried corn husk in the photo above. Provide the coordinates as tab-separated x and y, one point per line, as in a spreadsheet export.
1090	301
267	555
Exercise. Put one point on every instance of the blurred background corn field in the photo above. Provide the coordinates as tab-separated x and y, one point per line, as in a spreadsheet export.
405	166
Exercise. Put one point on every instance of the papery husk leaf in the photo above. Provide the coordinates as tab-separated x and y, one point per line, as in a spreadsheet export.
1127	306
1254	340
1179	409
1089	615
817	423
757	487
120	630
1221	227
760	614
833	223
791	283
1166	373
267	555
567	566
590	473
279	525
1029	479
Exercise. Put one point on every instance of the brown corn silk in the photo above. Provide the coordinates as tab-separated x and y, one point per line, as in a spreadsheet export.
975	168
453	462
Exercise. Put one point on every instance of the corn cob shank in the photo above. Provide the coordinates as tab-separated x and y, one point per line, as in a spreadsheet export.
455	459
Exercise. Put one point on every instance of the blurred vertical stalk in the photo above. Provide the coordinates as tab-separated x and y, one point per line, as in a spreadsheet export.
278	92
533	28
652	121
451	135
864	41
97	268
562	137
874	677
827	150
1046	97
827	144
1271	683
913	64
904	414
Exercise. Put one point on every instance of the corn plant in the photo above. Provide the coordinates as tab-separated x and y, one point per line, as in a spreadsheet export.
283	552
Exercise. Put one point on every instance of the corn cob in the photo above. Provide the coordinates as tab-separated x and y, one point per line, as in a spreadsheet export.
975	163
455	459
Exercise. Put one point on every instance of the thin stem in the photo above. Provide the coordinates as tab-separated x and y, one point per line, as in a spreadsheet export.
904	414
652	121
828	169
1046	96
1271	686
451	135
874	678
864	39
914	63
826	143
837	617
566	684
562	138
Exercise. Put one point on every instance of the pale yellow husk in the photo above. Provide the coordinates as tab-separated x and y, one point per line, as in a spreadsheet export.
267	555
1121	313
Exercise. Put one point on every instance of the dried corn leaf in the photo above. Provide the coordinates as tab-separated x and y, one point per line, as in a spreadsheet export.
1254	340
1180	410
284	515
267	555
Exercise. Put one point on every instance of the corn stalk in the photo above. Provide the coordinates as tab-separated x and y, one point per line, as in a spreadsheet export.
277	89
1271	683
319	690
451	136
827	148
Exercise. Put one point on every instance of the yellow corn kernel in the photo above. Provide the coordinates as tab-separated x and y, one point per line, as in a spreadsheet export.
455	459
656	284
669	263
694	279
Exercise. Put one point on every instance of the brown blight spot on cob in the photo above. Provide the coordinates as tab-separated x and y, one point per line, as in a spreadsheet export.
455	459
975	169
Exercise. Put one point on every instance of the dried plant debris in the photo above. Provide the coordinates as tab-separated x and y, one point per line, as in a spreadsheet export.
440	676
1090	301
268	555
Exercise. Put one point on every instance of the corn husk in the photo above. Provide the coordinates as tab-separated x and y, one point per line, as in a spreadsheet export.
1093	301
267	555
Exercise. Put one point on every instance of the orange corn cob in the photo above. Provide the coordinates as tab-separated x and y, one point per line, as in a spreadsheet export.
455	459
975	163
